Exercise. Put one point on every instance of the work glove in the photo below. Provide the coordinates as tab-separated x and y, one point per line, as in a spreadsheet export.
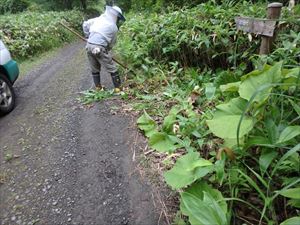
96	51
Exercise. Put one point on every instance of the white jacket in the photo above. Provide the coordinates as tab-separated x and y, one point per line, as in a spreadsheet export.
102	30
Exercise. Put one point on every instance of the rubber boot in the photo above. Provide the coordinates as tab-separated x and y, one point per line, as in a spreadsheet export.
96	79
116	79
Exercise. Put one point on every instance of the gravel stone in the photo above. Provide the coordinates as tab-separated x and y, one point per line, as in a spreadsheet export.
73	156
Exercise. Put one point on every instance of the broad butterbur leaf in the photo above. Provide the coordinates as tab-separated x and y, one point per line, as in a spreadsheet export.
187	169
235	106
226	120
232	142
230	87
147	124
162	142
256	72
252	83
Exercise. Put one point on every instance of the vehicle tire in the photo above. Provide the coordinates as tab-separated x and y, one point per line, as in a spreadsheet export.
7	96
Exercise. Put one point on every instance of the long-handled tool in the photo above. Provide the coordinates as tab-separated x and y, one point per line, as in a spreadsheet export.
83	39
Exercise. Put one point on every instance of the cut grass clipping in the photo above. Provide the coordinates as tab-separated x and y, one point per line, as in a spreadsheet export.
91	96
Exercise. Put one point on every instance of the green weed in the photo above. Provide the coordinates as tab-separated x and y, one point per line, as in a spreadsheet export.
240	133
28	34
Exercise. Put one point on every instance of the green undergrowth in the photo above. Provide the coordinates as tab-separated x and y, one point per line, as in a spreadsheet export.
241	138
225	120
240	142
204	36
31	33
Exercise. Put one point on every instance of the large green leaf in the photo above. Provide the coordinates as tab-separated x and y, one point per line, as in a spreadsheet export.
202	211
291	221
256	72
227	117
147	124
291	193
162	142
197	210
199	187
252	83
219	214
289	133
235	106
187	169
230	87
226	126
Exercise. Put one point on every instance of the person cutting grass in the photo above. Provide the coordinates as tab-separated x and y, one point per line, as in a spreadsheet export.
101	33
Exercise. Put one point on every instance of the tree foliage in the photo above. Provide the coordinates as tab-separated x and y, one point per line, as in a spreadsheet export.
13	6
66	4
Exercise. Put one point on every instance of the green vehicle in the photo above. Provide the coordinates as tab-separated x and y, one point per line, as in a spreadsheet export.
9	72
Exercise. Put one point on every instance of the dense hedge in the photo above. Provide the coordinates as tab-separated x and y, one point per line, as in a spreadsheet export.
28	34
205	35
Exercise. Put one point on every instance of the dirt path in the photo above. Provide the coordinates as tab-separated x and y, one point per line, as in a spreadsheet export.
73	165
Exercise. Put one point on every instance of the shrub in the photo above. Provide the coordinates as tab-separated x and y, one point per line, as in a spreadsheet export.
30	33
203	36
13	6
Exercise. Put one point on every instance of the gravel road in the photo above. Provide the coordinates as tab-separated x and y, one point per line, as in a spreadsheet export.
62	163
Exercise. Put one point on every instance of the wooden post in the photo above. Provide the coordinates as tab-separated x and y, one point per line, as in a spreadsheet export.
274	10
